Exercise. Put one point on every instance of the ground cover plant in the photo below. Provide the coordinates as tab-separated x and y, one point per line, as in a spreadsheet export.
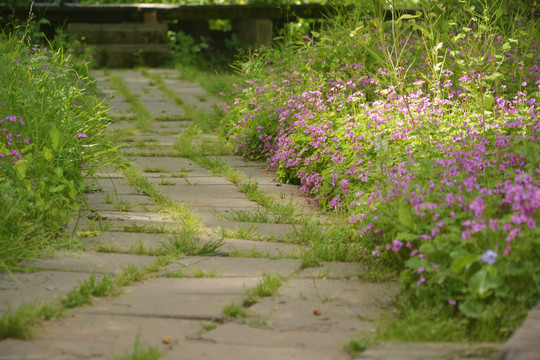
423	132
50	127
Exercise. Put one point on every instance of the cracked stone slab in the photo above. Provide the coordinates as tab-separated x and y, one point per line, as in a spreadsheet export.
86	336
428	351
43	286
524	344
208	351
97	201
184	298
319	338
334	270
285	314
343	292
270	249
142	225
90	262
126	241
111	186
234	267
183	190
169	164
279	231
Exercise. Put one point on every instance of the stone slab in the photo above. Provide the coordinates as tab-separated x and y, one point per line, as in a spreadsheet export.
425	351
112	186
101	201
334	270
176	126
206	351
319	338
43	286
341	292
279	231
146	225
174	164
90	262
84	336
126	241
285	314
185	298
524	344
268	249
235	267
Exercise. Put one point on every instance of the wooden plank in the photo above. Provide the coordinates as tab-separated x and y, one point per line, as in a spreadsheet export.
135	12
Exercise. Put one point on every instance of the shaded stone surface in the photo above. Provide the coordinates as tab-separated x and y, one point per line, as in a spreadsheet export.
208	351
524	344
90	262
43	286
87	336
273	249
126	241
185	298
234	267
425	351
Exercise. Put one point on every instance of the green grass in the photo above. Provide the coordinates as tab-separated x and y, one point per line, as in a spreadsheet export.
142	117
268	286
140	352
187	242
89	289
19	324
234	311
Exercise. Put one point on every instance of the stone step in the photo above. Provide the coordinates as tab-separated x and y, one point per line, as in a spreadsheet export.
106	34
130	55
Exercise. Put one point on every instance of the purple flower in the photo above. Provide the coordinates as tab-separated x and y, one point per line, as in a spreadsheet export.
451	302
489	257
397	245
81	135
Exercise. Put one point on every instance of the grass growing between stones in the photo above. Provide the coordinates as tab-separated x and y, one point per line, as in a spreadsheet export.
140	352
268	286
19	324
142	117
187	242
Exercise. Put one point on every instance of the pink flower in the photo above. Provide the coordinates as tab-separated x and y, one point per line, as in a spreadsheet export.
81	135
451	302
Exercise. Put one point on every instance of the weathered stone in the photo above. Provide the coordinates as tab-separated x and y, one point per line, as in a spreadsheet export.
90	262
234	267
43	286
203	350
415	351
270	249
524	343
175	165
87	336
185	298
126	241
334	270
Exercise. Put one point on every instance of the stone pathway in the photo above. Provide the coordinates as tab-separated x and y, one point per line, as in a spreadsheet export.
180	307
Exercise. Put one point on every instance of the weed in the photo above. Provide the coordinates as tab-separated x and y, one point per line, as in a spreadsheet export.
234	311
147	229
89	289
18	324
123	206
358	345
154	169
206	327
187	242
140	352
268	286
198	273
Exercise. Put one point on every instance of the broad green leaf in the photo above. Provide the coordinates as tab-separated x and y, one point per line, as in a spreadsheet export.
483	281
488	101
416	262
48	154
463	261
406	236
408	16
471	309
20	168
405	216
55	137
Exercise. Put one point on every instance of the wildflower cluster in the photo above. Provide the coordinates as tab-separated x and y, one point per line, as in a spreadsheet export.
436	164
13	141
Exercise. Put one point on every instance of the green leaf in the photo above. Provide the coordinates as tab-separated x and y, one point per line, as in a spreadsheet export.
406	236
48	154
463	261
471	309
405	215
483	281
55	136
408	16
416	262
20	168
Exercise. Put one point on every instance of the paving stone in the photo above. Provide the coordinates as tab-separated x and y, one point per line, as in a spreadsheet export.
334	270
169	165
273	249
127	241
43	286
176	126
112	187
153	224
109	202
279	231
425	351
207	351
185	298
524	344
341	292
285	314
314	337
234	267
90	262
86	336
195	191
